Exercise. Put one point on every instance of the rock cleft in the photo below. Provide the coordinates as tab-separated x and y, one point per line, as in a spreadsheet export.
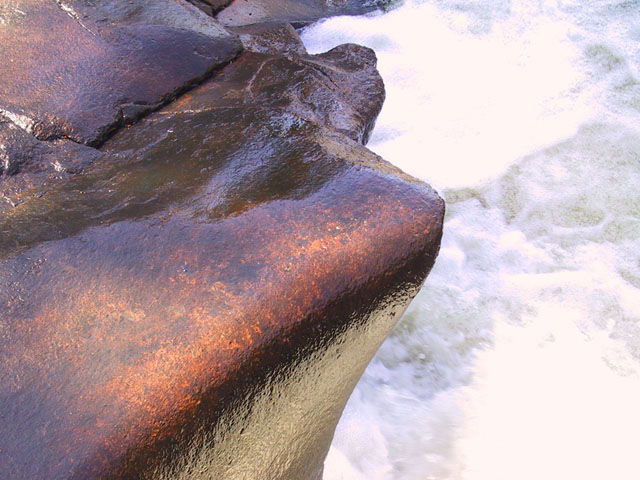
79	70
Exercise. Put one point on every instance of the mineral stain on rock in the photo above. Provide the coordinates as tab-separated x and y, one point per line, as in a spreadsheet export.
198	298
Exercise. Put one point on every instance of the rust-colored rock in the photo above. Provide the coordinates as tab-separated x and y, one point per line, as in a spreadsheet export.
200	301
64	74
296	12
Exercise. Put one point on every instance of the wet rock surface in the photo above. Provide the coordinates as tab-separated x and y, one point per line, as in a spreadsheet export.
297	12
211	6
81	73
198	297
27	163
273	37
340	89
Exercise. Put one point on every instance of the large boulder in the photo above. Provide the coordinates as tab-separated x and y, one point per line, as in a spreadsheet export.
198	298
340	89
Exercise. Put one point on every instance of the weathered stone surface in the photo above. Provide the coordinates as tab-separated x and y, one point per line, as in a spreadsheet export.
201	300
198	298
340	89
278	38
297	12
27	163
104	14
21	152
174	290
73	73
214	6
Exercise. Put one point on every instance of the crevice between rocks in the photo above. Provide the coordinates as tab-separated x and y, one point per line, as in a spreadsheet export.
74	15
137	112
211	8
128	120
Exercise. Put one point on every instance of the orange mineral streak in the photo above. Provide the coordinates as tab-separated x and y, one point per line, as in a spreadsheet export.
205	249
140	349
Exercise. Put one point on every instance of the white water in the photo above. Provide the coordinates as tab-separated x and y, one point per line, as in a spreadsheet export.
520	358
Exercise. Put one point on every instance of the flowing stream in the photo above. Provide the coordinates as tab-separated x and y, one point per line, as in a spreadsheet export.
520	357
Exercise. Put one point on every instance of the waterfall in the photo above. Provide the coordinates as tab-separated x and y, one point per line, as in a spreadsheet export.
520	357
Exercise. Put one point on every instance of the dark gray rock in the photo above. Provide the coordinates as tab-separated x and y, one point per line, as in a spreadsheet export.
30	164
211	6
276	38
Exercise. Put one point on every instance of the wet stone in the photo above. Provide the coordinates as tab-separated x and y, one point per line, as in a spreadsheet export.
278	38
104	14
198	297
74	73
28	164
178	279
340	89
296	12
213	6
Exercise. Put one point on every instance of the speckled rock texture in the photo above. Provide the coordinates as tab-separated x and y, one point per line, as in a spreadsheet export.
197	297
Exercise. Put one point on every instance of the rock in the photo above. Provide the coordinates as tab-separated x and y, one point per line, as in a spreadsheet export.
67	73
212	6
324	89
340	89
20	152
296	12
104	14
200	297
278	38
207	307
37	163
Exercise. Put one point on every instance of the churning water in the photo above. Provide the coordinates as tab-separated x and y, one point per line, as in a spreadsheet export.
520	357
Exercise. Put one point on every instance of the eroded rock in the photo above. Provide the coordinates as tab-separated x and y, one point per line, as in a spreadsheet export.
211	6
340	89
200	299
201	291
70	72
276	38
28	164
104	14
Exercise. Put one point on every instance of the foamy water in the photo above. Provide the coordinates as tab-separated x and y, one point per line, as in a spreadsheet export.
520	358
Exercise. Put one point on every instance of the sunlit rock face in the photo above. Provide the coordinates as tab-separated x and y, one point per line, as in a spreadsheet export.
340	89
75	70
198	298
298	12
